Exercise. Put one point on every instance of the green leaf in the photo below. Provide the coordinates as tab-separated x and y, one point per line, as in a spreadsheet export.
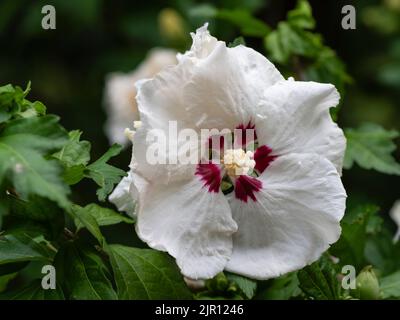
4	280
34	291
301	16
249	26
84	274
72	175
318	280
75	152
381	252
146	274
103	216
390	286
83	217
24	147
236	42
36	213
287	41
105	175
370	146
13	104
282	288
246	285
17	249
356	224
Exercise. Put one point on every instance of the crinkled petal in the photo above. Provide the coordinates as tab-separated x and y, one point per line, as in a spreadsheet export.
294	117
226	87
126	194
292	222
190	223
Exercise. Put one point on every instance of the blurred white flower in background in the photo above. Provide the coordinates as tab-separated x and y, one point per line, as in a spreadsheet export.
120	93
395	215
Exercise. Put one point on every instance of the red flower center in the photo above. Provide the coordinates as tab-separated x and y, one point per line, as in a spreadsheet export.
245	186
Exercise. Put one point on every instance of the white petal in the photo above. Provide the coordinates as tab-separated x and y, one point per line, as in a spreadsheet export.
162	172
294	117
190	223
295	218
126	194
226	87
395	215
122	198
203	43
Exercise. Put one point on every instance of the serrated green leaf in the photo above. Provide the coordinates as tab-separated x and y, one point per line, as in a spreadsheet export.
84	274
36	213
24	146
355	226
84	218
146	274
301	16
75	152
21	247
318	280
390	286
370	146
34	291
105	175
282	288
13	104
246	285
287	41
103	216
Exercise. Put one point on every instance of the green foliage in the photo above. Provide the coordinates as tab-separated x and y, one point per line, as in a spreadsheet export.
25	145
357	223
318	281
241	18
34	291
146	274
105	175
282	288
371	146
294	44
390	286
103	216
84	275
246	286
38	160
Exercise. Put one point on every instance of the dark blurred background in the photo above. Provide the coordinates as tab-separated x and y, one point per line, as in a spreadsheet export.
67	66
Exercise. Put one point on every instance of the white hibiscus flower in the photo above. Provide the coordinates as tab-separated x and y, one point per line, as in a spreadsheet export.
395	215
120	93
277	219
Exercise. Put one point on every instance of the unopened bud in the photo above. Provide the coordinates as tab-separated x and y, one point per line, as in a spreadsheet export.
367	285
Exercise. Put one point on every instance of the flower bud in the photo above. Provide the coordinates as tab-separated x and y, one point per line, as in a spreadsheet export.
367	287
172	26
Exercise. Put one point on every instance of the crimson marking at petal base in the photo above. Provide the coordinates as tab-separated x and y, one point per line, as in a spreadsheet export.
263	158
244	128
210	174
246	186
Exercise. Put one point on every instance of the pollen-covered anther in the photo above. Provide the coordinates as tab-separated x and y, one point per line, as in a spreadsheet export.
237	162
